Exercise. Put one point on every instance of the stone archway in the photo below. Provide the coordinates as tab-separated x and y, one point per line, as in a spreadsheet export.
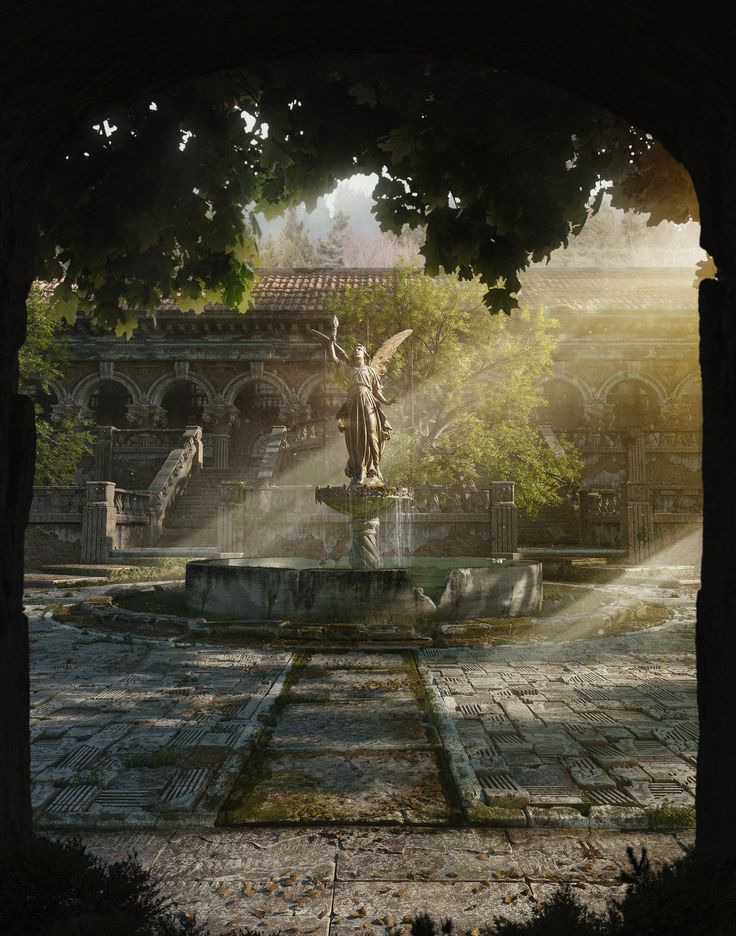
675	79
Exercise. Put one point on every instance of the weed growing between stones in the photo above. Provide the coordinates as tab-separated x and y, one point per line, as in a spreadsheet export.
668	816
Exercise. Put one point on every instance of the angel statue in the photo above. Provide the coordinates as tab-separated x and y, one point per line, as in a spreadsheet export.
361	417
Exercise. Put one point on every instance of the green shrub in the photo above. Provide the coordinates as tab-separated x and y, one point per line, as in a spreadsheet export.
695	896
60	889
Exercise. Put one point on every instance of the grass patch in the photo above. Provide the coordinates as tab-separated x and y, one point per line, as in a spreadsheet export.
163	568
668	816
161	757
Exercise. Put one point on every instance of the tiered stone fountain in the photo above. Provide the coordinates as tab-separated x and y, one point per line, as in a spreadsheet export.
364	591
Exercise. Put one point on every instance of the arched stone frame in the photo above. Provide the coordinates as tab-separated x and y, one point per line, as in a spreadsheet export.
677	104
239	383
691	381
63	396
308	386
652	383
159	388
86	386
587	396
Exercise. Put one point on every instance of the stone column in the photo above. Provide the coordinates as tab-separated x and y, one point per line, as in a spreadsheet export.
231	517
639	528
364	552
636	459
103	453
220	418
504	521
98	522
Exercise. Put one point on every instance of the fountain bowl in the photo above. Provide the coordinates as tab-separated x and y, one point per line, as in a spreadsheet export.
302	590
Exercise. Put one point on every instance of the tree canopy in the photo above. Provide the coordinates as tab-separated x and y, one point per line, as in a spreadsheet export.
468	386
497	167
60	445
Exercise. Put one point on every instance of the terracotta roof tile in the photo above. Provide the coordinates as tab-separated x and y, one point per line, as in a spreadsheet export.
307	290
581	290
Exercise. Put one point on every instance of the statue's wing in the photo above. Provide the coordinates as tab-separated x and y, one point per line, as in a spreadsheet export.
384	354
327	341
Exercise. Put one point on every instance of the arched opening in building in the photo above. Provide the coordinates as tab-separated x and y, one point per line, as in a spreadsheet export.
563	410
183	404
635	405
109	402
258	404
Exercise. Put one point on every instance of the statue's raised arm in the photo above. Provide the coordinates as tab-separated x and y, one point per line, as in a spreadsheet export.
337	354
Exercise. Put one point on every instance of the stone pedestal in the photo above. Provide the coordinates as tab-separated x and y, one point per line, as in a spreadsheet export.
98	522
504	520
364	552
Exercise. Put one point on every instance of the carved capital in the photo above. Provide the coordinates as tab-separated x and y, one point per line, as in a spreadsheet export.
220	417
146	416
60	412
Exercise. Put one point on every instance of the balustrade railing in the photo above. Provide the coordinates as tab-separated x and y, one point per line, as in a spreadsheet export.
132	506
54	503
309	434
436	498
173	476
677	500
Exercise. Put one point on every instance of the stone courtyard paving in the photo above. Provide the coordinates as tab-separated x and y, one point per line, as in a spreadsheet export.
366	882
540	750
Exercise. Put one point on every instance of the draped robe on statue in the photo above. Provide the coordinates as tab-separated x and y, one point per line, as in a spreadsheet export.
364	423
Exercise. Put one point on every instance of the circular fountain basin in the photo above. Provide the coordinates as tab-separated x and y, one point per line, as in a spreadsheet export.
297	589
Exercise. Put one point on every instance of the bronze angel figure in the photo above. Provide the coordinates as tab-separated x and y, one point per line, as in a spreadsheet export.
361	417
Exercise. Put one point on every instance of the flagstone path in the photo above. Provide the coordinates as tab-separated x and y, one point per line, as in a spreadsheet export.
131	731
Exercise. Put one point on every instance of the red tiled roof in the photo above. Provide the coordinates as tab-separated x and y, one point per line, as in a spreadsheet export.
581	290
307	290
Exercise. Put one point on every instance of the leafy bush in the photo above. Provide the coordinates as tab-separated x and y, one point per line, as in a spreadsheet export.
695	896
60	889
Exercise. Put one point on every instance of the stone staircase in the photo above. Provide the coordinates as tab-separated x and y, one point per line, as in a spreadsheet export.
192	521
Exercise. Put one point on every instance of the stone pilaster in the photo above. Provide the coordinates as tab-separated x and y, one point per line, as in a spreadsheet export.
103	453
504	520
230	517
220	419
98	522
636	459
639	527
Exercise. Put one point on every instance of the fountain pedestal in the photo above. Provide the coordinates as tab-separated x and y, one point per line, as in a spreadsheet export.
363	504
364	552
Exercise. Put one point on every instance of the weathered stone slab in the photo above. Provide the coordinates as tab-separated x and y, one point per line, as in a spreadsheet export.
433	855
308	787
362	907
359	725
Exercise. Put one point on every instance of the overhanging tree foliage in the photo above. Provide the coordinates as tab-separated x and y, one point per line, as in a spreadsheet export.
158	202
468	386
60	446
